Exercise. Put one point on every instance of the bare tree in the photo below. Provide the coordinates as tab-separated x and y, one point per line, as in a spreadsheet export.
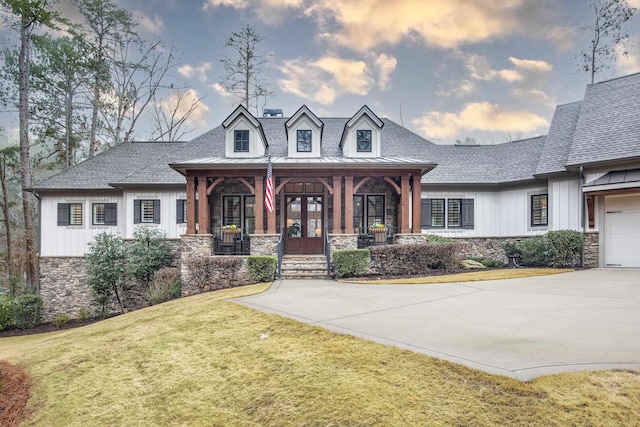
243	68
171	115
607	31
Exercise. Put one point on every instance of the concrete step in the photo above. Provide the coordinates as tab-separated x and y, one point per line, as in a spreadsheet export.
304	267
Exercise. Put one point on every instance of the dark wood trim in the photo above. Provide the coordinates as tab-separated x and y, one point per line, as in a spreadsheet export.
214	184
249	186
404	204
635	190
393	184
416	189
591	210
337	204
203	206
306	173
348	204
191	205
360	184
326	185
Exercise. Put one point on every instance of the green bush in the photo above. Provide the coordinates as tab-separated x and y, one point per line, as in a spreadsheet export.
84	314
564	247
147	253
262	268
7	312
60	320
28	309
394	260
165	285
214	273
435	238
350	262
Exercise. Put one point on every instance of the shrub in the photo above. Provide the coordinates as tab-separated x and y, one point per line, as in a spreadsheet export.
214	273
148	253
7	312
60	320
83	314
165	285
106	271
435	238
28	309
564	247
350	262
396	260
261	268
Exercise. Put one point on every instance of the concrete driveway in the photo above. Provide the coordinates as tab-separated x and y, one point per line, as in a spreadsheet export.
522	328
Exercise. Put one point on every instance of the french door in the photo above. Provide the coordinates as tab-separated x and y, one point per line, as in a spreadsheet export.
303	224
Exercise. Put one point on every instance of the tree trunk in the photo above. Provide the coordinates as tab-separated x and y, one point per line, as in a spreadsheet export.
25	162
6	220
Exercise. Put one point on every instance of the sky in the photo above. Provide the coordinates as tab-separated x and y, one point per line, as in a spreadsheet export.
492	70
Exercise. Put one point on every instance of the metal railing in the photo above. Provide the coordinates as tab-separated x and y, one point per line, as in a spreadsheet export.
372	236
280	254
327	251
229	241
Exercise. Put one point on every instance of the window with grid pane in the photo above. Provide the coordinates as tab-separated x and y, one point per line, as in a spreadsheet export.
98	214
539	209
304	141
375	210
241	140
75	214
146	211
363	140
250	213
454	209
231	210
358	212
437	213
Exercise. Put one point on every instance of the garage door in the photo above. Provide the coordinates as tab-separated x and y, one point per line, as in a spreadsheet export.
622	231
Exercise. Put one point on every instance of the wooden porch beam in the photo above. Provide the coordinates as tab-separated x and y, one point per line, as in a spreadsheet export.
203	206
416	210
249	186
259	204
337	204
360	184
348	204
404	204
191	205
393	183
213	184
326	185
282	184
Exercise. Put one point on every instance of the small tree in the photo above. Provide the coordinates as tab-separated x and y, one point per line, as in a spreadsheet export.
607	31
148	253
106	270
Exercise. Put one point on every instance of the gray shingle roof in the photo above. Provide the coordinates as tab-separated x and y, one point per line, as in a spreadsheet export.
112	165
608	128
486	164
558	142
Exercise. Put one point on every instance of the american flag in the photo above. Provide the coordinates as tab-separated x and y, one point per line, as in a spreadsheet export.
268	197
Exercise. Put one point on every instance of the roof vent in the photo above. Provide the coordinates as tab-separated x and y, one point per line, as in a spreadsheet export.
272	112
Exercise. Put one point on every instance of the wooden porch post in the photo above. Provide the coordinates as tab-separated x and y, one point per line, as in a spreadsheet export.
259	204
348	204
191	204
203	206
404	204
417	204
337	204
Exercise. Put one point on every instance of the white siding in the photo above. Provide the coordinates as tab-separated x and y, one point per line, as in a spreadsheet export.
497	213
565	204
72	240
167	212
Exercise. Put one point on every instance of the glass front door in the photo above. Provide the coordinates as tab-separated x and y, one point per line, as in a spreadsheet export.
304	227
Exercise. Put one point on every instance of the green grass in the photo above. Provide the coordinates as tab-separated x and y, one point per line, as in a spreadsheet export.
202	361
474	276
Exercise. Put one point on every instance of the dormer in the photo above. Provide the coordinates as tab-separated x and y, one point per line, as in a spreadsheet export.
244	135
304	134
361	135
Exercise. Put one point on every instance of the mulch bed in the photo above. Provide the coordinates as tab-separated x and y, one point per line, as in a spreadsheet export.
14	393
46	327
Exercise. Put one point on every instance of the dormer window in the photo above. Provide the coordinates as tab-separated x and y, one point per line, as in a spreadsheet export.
241	141
304	140
364	141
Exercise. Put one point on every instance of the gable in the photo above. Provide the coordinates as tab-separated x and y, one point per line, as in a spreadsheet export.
361	135
244	136
304	134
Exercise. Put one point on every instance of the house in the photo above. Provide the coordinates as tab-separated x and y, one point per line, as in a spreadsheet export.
336	178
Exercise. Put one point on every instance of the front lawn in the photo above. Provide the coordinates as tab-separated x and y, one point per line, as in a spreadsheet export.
204	361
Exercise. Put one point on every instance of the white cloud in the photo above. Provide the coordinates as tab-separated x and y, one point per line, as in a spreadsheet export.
221	90
481	116
480	69
198	72
535	96
181	101
385	64
326	78
630	63
270	12
150	25
457	89
531	65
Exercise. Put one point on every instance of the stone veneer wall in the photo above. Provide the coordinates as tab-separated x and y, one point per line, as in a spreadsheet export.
410	239
342	241
264	244
591	254
64	286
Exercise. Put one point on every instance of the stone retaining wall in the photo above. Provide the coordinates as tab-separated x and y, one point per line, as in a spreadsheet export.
591	257
264	244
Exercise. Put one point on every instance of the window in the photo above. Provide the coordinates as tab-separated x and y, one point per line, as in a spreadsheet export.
146	211
363	140
304	141
104	214
241	140
368	210
539	210
181	211
447	213
239	211
69	213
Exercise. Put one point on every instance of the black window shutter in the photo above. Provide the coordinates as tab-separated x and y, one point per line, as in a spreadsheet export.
197	211
467	213
425	213
156	211
180	211
137	210
63	213
110	214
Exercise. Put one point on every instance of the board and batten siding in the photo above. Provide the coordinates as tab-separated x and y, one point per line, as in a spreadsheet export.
72	240
497	213
167	212
565	202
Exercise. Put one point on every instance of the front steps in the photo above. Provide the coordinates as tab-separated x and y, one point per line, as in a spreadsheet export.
304	267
